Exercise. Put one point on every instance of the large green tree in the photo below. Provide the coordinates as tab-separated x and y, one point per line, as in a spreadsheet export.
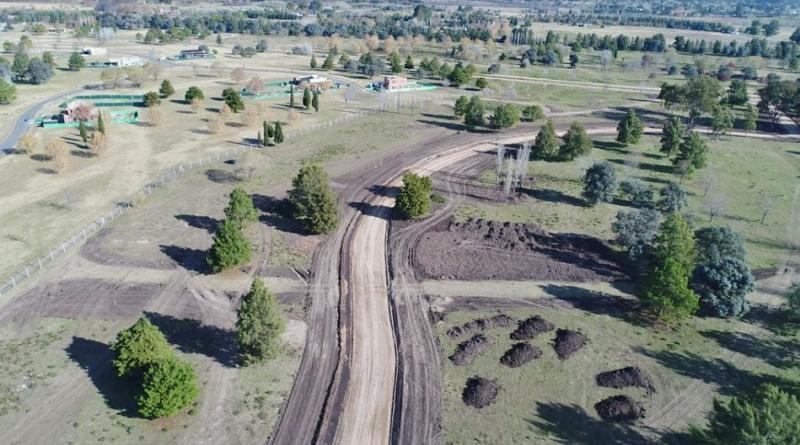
672	136
259	324
192	94
414	198
233	100
693	152
240	209
546	144
600	183
504	116
768	416
313	200
137	347
168	386
166	89
8	92
474	114
75	61
576	143
630	129
666	285
230	247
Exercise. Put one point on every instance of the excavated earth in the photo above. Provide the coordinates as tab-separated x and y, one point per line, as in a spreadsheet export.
531	327
568	342
519	354
619	409
468	350
480	392
488	250
630	376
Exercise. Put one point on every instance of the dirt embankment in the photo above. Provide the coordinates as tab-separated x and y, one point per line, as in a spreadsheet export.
531	327
480	325
468	350
485	250
568	342
630	376
519	354
619	409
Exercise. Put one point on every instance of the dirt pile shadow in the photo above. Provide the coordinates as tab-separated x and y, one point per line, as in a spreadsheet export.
480	392
619	409
531	327
627	377
519	354
468	350
485	250
480	325
568	342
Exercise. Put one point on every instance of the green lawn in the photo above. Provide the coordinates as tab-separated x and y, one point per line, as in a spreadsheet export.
551	401
742	171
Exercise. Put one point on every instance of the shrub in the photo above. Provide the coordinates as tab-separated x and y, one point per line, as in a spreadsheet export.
639	194
504	116
259	324
715	243
169	386
240	208
151	98
229	249
533	113
673	198
635	230
576	143
137	347
192	94
313	200
723	286
414	199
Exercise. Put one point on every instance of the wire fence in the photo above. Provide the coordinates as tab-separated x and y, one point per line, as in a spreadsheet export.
393	104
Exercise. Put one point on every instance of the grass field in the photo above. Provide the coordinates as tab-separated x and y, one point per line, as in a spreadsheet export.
741	174
549	401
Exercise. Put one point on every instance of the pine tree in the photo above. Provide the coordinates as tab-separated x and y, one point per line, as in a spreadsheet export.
168	386
101	125
313	200
240	209
546	145
306	98
576	143
672	136
666	286
313	61
629	129
278	137
137	347
414	198
82	132
692	151
750	119
260	141
291	96
166	89
315	102
266	134
259	324
230	248
329	61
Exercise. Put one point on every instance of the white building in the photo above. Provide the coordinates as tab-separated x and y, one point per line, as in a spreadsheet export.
91	51
126	61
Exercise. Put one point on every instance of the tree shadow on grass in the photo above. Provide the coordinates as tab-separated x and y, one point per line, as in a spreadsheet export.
554	196
660	168
47	171
277	214
379	211
190	259
625	309
775	320
455	126
572	425
95	359
384	190
200	222
193	337
715	371
782	354
616	147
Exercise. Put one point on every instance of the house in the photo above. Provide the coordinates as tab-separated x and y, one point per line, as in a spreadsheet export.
312	81
394	82
126	61
201	52
90	51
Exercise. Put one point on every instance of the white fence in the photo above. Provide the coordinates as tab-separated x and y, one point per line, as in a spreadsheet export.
392	105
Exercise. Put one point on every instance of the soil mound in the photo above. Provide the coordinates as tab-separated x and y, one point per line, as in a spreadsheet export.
519	354
619	408
483	250
531	327
479	325
626	377
568	342
466	351
479	392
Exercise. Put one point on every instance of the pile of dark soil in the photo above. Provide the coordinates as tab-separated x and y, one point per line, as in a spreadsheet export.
479	325
519	354
479	392
568	342
619	408
626	377
484	250
531	327
466	351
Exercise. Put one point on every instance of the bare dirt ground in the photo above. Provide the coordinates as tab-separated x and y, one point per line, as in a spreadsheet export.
489	250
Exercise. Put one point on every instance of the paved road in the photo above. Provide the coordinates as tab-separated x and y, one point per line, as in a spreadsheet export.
21	126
